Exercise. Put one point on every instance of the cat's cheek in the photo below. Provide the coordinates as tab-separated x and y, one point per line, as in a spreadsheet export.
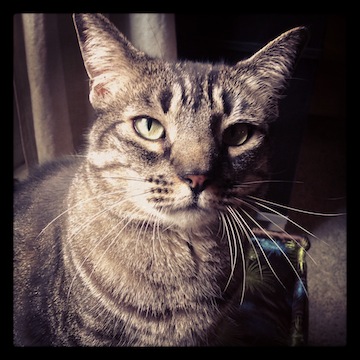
105	159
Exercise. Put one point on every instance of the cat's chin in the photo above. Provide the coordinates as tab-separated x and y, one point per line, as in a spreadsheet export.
190	218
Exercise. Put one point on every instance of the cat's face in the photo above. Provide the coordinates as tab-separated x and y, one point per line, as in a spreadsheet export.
180	142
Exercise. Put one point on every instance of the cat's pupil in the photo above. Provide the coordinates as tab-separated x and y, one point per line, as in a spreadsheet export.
149	123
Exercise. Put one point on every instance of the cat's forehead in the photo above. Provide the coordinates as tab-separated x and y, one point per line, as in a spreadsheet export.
188	71
201	88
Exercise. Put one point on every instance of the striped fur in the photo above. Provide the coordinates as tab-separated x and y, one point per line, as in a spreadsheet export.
117	246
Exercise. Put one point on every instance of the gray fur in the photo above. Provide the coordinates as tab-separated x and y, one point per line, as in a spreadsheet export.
117	247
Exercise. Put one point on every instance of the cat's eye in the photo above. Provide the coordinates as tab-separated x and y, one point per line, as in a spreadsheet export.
236	135
149	128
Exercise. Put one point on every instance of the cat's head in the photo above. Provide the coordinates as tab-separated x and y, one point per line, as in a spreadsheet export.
182	141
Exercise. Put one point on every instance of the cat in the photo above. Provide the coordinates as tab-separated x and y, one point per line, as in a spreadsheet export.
130	243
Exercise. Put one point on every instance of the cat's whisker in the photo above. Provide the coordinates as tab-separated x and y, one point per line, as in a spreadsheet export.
143	229
221	226
242	220
280	249
284	217
127	178
235	248
256	182
157	226
95	217
90	253
129	220
233	214
149	221
294	209
140	230
247	231
279	228
224	218
153	238
80	203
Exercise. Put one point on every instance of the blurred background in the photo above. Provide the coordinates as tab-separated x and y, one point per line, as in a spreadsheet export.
51	113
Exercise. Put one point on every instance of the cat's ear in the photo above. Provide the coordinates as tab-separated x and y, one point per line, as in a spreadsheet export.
273	64
109	58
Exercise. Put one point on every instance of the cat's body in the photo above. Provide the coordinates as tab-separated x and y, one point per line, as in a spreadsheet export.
131	244
174	274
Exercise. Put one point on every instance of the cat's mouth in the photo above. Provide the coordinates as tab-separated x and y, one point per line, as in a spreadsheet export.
205	202
193	207
191	216
188	208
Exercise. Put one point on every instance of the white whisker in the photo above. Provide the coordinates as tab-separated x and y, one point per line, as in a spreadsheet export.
259	246
153	239
221	227
295	209
280	249
280	228
127	178
113	240
145	221
246	229
231	211
89	254
287	218
80	203
94	217
232	260
255	182
157	225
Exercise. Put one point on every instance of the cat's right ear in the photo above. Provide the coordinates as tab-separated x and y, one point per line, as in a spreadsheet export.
109	58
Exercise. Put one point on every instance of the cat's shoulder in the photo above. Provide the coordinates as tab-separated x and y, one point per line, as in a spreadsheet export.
48	169
52	177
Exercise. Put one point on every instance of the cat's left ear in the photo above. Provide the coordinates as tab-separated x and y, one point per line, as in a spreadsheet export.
273	65
111	61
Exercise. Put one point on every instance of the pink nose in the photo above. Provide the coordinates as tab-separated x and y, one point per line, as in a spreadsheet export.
195	181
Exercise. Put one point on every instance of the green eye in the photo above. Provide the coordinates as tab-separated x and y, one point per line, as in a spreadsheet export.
236	135
149	128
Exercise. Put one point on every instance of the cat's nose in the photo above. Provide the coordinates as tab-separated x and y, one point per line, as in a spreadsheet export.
197	183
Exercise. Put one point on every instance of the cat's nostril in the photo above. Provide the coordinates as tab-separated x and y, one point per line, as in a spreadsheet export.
196	182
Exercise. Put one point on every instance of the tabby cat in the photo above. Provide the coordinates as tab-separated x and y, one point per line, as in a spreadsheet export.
128	243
